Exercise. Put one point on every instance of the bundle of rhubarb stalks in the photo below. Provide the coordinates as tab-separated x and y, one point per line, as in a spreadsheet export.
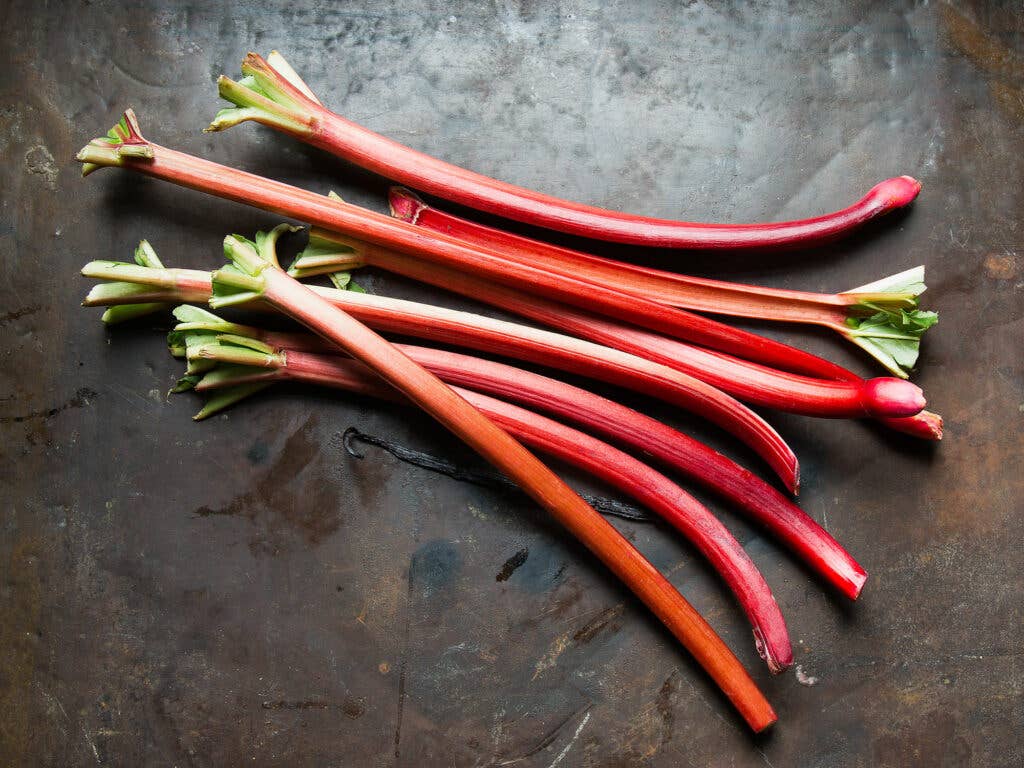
640	329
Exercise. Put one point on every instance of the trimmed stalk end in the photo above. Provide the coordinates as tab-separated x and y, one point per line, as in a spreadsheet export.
225	398
265	95
924	425
896	192
779	661
242	279
123	141
124	312
283	68
325	253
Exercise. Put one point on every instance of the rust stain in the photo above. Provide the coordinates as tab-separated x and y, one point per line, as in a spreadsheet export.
989	55
982	48
17	314
1001	267
605	620
1010	99
665	703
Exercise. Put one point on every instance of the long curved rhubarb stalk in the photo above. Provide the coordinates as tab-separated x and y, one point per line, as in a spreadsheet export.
757	384
281	101
134	152
253	273
425	321
881	318
621	471
762	503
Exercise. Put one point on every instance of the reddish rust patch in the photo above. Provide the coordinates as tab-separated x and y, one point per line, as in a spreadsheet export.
1001	267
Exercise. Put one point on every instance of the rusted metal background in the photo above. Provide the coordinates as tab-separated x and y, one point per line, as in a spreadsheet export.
242	592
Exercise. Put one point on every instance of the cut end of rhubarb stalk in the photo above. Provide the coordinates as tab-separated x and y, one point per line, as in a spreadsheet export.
778	654
885	320
924	425
241	280
265	95
887	397
225	398
325	253
125	312
124	140
855	585
145	256
405	205
895	193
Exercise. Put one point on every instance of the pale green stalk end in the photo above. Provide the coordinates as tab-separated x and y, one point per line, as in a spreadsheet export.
130	273
267	95
185	384
324	254
225	398
228	375
198	319
120	291
122	313
241	280
115	293
123	141
145	256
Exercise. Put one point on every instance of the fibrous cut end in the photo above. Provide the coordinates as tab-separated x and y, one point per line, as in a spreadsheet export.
124	140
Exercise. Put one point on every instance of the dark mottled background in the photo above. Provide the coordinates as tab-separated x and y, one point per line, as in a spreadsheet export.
242	592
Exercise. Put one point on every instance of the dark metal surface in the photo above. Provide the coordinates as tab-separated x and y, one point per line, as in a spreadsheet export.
243	592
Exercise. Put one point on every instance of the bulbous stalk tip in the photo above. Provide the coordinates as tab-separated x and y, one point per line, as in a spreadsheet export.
888	397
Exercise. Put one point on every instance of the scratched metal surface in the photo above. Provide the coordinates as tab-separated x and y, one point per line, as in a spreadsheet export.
240	591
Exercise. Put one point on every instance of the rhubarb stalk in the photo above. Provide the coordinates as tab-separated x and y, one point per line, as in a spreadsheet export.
333	214
762	503
757	384
253	273
881	318
621	471
280	100
515	340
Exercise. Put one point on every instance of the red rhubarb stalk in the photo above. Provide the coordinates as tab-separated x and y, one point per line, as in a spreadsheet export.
425	321
489	335
333	214
882	318
760	501
757	384
266	95
253	273
618	469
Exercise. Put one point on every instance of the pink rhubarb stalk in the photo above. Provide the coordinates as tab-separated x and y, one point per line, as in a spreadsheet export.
333	214
756	498
254	274
446	326
757	384
280	100
618	469
882	318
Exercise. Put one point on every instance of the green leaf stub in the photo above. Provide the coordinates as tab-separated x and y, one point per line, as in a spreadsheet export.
893	337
